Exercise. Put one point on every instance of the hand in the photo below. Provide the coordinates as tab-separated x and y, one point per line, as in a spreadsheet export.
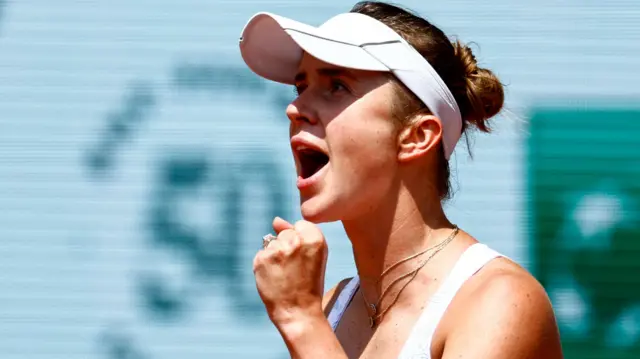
290	271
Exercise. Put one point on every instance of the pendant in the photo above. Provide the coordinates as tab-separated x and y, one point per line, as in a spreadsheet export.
373	309
372	323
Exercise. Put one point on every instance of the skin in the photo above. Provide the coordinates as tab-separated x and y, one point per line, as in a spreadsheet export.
379	183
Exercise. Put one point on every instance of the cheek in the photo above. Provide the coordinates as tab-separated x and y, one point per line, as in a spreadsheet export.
367	148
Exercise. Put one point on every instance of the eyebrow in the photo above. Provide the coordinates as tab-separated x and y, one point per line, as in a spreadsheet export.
328	72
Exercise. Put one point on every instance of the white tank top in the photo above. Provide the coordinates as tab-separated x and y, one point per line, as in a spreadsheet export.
418	345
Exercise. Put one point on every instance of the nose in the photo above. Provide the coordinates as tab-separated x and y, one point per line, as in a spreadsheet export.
298	113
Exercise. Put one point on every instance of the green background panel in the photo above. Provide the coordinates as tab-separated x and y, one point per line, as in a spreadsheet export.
584	187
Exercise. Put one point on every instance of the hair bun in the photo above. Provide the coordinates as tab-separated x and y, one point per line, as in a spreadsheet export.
484	91
466	57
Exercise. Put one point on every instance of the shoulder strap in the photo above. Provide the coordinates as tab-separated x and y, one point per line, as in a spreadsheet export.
341	304
469	263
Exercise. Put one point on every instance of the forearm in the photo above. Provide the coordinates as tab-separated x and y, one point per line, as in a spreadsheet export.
311	337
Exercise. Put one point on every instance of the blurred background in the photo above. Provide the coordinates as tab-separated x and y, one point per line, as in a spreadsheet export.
141	163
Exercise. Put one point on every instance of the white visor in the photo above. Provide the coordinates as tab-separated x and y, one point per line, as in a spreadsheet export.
272	46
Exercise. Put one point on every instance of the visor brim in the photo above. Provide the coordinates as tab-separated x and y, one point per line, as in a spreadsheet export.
272	46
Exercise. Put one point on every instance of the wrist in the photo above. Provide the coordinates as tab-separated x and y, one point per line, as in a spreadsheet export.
309	335
295	317
305	335
295	323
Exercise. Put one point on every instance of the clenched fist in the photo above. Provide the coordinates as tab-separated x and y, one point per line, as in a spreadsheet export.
290	271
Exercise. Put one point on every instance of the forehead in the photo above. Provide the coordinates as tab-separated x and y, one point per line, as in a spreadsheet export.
311	66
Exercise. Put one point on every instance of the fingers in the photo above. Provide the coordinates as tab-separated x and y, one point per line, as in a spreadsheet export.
288	241
280	225
298	249
278	250
292	237
310	233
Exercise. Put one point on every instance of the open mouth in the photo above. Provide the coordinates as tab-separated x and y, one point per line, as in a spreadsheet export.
311	161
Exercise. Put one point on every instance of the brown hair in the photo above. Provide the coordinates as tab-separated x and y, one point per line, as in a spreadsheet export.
477	91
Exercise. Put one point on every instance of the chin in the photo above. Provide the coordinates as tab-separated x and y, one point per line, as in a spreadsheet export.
315	211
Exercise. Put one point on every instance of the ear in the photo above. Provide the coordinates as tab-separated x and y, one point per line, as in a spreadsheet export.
419	137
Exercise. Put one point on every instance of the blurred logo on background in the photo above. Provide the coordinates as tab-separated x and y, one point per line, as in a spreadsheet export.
202	206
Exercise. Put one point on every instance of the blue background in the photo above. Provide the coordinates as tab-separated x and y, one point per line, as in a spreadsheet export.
141	162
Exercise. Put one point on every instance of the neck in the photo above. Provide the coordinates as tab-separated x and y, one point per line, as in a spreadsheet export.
391	233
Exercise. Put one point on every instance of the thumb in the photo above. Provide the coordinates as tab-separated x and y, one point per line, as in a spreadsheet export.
280	225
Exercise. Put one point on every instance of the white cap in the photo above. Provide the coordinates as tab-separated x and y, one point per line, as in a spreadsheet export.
272	46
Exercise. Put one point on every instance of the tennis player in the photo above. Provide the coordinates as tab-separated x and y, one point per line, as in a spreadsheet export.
383	98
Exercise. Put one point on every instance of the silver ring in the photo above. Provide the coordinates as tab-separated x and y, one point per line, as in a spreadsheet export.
267	239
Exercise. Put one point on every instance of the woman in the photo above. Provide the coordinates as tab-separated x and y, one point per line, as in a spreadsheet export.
383	98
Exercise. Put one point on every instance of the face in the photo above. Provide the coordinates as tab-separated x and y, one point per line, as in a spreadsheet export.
343	139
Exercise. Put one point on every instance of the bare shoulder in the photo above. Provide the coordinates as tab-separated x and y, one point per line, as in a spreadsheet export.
510	309
503	281
330	297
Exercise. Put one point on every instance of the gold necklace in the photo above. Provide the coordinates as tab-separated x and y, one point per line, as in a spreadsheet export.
384	272
374	307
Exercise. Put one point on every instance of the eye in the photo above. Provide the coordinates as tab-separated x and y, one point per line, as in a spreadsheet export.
337	85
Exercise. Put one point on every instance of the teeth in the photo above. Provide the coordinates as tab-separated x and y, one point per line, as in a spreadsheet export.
304	148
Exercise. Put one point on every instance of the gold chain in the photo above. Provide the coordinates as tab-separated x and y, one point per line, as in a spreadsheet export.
376	316
393	282
384	272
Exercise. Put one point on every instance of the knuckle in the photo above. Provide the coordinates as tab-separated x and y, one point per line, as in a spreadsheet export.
275	253
292	245
316	239
315	242
308	229
303	226
286	234
277	257
296	241
291	239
